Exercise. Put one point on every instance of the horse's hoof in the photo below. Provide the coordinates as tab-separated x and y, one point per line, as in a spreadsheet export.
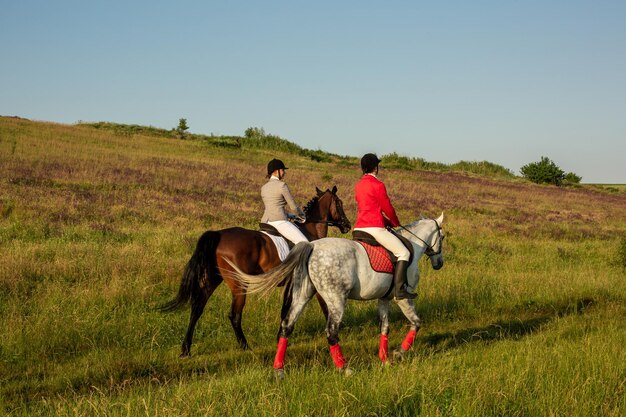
346	371
279	374
398	355
185	355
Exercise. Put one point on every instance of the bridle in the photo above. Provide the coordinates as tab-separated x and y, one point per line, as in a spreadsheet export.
331	222
430	251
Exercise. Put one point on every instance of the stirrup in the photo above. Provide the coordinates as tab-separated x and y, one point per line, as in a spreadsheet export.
403	294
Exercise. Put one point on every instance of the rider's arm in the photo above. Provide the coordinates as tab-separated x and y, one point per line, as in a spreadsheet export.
386	207
291	202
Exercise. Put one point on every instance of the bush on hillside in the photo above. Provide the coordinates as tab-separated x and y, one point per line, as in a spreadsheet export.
318	155
571	178
271	142
483	168
224	141
255	137
393	160
254	132
543	172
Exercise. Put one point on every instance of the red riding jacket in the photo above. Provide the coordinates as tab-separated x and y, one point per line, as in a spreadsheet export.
372	201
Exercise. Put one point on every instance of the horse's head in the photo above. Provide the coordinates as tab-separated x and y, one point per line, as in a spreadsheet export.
332	206
326	209
428	232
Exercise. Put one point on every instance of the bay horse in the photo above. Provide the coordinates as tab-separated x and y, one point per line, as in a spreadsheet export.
337	270
251	251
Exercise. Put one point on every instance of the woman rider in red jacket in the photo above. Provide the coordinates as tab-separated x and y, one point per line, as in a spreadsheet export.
375	212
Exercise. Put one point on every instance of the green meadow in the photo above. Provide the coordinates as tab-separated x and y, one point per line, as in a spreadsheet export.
526	318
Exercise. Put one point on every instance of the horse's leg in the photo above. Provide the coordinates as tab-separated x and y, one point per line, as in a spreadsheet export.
408	309
383	315
323	305
336	306
236	308
198	302
300	296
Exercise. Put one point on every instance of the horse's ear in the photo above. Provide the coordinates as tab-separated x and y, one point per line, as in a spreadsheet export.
334	189
440	218
319	192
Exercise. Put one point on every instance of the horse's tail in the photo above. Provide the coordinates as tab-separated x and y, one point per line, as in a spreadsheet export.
296	260
200	268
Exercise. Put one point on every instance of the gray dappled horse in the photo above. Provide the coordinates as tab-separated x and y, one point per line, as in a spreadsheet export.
339	269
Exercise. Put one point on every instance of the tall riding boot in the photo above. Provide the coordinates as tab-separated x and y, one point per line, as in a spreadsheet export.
399	280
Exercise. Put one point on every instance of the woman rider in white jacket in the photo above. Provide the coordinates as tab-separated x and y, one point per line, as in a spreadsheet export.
276	196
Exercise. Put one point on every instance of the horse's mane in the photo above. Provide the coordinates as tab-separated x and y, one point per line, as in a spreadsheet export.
414	223
310	204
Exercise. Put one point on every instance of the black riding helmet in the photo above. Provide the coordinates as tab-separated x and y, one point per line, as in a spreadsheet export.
369	162
273	165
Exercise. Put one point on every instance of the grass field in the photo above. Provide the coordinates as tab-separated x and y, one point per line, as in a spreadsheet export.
525	319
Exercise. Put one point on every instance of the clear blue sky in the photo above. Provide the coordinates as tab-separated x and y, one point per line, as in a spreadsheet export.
502	81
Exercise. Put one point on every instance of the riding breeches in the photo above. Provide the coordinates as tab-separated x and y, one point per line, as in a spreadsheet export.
290	231
389	241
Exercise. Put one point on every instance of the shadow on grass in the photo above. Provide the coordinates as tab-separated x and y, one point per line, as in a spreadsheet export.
500	330
515	324
504	329
19	393
491	333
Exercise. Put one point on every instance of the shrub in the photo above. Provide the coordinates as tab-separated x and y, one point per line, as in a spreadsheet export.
225	141
271	142
483	168
393	160
254	132
571	178
317	156
544	171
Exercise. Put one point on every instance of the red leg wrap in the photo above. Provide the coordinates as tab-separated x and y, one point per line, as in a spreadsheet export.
408	340
335	352
279	361
384	347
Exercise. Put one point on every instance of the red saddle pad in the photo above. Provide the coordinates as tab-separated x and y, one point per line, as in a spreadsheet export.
379	258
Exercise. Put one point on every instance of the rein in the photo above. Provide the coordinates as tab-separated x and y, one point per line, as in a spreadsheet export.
429	248
331	223
328	222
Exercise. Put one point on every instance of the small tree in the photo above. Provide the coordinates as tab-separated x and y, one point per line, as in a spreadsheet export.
544	171
254	132
182	128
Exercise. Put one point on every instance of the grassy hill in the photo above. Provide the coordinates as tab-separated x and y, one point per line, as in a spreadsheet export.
96	225
259	140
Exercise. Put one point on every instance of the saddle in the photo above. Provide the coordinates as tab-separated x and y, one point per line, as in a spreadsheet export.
271	230
381	259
